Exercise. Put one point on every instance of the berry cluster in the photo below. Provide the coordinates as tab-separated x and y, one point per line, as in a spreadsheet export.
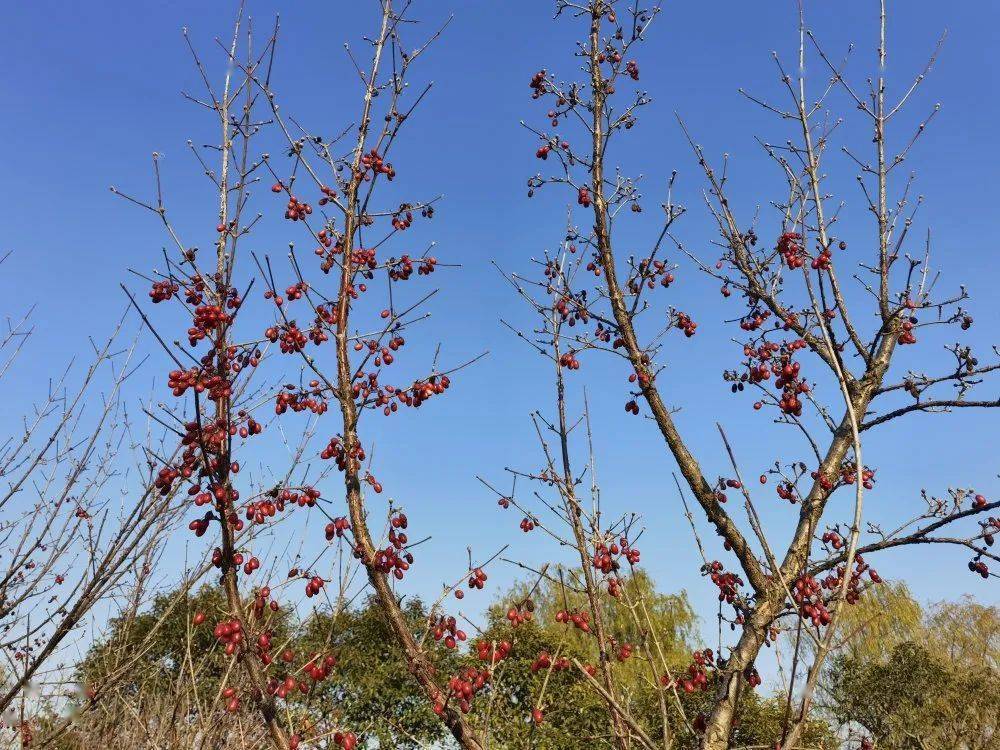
446	628
545	661
697	673
579	620
727	582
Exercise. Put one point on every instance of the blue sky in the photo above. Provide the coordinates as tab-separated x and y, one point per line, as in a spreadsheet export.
89	90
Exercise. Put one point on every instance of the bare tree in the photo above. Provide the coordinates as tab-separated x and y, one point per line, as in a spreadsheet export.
225	412
220	382
67	543
794	310
350	232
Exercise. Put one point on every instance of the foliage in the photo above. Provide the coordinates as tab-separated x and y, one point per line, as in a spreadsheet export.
915	700
161	646
928	692
369	688
884	617
574	713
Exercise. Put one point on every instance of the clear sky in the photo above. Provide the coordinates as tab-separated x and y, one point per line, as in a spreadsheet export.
89	90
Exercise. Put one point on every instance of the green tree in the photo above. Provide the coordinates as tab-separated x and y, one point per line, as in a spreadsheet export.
915	700
964	632
933	690
574	715
147	653
370	686
884	617
161	658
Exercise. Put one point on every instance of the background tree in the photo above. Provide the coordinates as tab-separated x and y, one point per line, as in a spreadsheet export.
372	688
916	700
882	619
540	673
165	667
922	686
